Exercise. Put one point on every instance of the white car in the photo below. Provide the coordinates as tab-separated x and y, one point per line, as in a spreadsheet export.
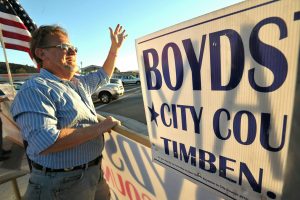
110	91
130	80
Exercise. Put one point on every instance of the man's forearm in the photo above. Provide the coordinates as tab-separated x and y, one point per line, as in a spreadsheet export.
70	137
109	64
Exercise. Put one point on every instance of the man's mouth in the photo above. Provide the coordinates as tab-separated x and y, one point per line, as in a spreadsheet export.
70	60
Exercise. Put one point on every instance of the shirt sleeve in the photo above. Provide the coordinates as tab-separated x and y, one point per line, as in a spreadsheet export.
92	81
34	113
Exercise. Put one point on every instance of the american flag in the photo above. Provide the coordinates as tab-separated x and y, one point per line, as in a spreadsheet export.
16	25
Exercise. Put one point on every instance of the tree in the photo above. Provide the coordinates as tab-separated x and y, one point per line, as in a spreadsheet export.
116	70
17	68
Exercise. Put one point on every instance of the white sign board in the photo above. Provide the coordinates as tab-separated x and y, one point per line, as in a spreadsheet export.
219	95
131	174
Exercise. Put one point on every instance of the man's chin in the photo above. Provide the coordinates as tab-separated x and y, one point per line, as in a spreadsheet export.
71	68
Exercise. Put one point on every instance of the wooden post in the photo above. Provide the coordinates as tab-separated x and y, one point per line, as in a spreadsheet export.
16	189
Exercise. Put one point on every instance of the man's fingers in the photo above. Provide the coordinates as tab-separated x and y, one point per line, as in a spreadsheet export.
117	29
110	30
113	121
117	122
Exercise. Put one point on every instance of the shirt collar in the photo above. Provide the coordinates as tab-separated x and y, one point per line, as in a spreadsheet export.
51	77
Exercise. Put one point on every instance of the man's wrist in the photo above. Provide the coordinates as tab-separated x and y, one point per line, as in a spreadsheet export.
114	54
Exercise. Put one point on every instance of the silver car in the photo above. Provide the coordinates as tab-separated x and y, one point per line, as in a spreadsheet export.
110	91
130	80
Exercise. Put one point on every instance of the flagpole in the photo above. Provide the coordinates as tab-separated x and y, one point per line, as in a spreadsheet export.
6	60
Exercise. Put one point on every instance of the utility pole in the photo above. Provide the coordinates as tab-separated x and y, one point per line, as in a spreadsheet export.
80	66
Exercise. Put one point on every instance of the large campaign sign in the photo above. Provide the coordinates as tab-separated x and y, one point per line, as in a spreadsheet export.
219	94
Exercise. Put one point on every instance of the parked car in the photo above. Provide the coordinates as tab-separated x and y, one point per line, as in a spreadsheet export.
17	85
130	80
110	91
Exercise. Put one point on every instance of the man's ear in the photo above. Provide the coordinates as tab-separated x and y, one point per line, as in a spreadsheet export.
40	53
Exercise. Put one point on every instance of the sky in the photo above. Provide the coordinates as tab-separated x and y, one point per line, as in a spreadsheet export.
87	23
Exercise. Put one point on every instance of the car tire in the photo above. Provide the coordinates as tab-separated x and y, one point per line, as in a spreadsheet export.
138	82
105	97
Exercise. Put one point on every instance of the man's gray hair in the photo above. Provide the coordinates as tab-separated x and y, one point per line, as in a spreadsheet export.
41	36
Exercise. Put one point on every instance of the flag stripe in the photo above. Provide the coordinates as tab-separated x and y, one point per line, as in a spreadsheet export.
17	30
17	42
17	47
15	35
12	23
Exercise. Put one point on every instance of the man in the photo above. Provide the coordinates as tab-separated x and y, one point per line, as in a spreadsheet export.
57	119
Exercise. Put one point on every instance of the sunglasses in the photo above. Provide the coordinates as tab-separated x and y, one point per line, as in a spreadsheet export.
66	47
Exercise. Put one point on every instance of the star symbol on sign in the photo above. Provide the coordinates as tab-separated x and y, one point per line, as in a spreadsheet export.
154	114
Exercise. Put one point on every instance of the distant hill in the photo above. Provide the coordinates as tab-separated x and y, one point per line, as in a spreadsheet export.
17	68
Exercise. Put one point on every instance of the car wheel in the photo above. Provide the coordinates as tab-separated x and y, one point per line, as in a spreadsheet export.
138	82
105	97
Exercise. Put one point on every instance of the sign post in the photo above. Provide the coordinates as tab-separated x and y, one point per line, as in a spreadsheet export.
219	94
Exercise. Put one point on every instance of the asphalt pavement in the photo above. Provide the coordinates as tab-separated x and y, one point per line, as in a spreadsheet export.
130	105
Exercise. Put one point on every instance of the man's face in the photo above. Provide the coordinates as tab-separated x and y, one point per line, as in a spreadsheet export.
60	61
